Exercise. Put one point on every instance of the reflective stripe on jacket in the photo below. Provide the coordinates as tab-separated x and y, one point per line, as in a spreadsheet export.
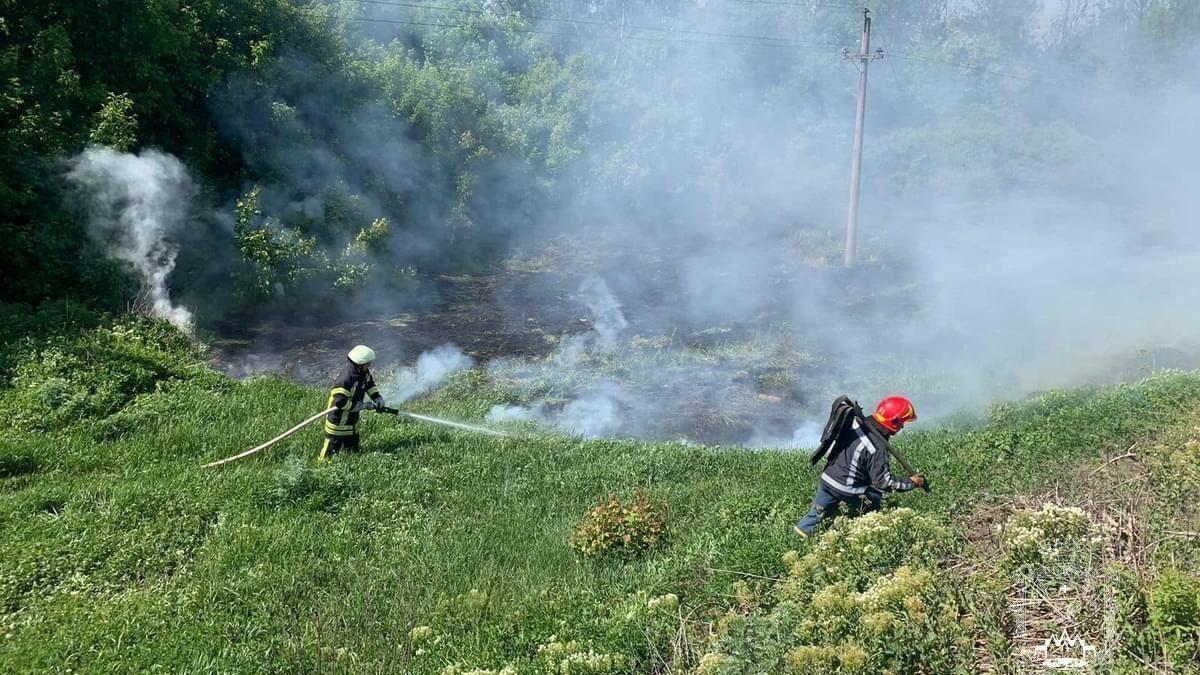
860	459
347	395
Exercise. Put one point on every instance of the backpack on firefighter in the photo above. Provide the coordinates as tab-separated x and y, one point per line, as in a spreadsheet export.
840	414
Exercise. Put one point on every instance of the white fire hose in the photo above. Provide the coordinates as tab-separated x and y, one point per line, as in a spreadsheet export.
393	411
273	441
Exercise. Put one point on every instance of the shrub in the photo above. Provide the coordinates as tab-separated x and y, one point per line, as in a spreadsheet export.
1175	602
49	319
1174	610
856	551
62	380
1050	533
1176	471
865	598
624	529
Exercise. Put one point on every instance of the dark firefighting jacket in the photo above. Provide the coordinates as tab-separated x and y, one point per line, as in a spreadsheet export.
347	397
859	460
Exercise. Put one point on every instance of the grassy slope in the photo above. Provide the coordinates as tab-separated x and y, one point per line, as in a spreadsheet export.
121	554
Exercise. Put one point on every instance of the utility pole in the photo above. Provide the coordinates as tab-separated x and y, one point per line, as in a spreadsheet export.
861	60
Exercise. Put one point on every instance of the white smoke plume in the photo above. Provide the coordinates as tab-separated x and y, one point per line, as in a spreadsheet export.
134	205
807	435
597	413
516	413
1016	232
429	372
608	322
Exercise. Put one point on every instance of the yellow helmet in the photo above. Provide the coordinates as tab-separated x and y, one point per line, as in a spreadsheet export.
361	355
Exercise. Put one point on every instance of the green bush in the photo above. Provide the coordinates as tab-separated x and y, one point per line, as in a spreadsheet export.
623	529
1050	533
47	320
1175	602
1174	610
856	551
90	375
866	598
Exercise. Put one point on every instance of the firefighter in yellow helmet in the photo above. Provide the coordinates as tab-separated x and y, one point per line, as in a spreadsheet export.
346	397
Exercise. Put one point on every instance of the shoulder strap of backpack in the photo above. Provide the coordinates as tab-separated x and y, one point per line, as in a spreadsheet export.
840	414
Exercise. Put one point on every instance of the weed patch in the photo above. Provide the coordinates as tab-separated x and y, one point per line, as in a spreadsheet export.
623	529
867	597
17	463
316	488
65	380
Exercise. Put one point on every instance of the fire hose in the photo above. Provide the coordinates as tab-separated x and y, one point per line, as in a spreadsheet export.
392	411
273	441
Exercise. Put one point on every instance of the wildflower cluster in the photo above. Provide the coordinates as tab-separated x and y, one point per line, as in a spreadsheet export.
866	597
1049	534
571	658
459	670
819	660
856	551
664	603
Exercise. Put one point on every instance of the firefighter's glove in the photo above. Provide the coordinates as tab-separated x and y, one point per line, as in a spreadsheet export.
919	480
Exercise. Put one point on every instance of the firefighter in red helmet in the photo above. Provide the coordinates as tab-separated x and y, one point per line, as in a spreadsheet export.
857	469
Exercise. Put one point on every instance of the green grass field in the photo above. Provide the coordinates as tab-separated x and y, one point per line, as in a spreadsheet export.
430	548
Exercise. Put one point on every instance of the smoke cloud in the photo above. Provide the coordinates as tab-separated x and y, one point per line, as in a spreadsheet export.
598	411
431	369
1026	218
134	204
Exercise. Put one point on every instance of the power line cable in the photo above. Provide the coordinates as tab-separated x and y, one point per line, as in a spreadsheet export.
964	66
894	70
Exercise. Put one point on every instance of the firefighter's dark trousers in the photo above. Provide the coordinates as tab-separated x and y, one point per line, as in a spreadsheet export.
826	502
335	444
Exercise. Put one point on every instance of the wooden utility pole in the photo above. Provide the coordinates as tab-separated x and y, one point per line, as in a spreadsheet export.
863	58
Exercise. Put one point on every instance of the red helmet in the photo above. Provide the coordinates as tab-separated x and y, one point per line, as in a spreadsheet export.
894	412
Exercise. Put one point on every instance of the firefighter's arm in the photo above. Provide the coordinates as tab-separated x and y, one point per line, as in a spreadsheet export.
373	392
339	397
881	474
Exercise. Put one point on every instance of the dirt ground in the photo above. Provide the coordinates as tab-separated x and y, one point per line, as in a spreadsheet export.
480	315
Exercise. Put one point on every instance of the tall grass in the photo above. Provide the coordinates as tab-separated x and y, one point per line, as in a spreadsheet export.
120	554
